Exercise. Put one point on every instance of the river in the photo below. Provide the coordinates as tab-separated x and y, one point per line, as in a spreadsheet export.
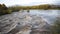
49	15
19	21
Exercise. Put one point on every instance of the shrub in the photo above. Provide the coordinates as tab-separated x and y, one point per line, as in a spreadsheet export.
4	10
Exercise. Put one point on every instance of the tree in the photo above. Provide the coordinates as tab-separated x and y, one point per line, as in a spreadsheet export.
4	9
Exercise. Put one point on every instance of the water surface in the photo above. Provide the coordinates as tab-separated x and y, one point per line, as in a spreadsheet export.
49	15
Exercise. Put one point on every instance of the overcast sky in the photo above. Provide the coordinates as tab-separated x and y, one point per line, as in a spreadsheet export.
28	2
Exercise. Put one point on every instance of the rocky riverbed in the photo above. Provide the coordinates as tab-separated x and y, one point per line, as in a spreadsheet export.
21	23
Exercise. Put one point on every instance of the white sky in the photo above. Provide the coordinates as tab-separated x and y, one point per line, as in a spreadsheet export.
28	2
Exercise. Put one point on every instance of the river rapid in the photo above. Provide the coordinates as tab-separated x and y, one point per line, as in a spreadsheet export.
23	21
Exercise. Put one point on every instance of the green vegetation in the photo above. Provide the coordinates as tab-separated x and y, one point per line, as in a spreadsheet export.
44	7
56	26
4	10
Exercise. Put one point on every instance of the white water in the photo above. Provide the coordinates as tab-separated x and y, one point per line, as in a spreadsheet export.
34	17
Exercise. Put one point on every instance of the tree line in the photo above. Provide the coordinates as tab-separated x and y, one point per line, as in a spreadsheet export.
44	7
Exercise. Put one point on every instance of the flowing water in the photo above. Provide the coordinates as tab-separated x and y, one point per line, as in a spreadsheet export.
48	15
19	21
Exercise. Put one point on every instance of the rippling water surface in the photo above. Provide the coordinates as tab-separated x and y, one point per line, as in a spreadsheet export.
49	15
19	21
